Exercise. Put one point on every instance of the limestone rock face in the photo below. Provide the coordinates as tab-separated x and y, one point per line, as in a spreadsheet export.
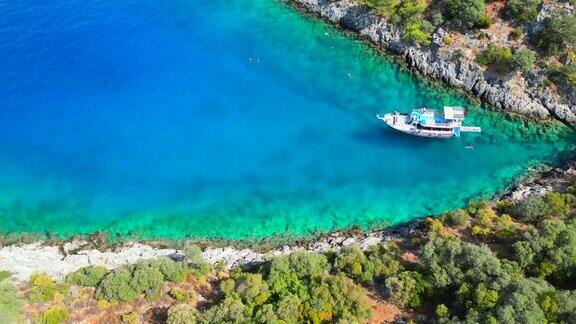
515	94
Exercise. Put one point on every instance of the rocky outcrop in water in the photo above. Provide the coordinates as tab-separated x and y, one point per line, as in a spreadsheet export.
512	94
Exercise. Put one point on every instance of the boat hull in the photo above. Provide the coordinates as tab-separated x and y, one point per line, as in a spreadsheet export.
398	122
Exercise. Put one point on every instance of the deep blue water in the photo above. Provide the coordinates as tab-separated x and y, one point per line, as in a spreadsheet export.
223	118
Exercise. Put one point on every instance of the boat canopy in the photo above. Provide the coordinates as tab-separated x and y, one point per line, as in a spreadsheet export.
454	113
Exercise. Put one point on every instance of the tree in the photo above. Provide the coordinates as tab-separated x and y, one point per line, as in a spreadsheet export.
498	56
549	250
451	262
529	209
287	271
407	288
45	289
468	13
558	32
116	286
89	276
418	32
55	315
196	261
523	10
351	260
459	218
523	60
384	8
182	314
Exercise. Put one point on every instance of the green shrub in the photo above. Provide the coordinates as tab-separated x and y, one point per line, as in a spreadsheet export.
549	250
196	261
516	33
558	204
459	218
558	32
227	311
45	289
409	9
418	32
11	306
337	298
182	314
351	260
407	288
523	10
250	288
89	276
498	56
181	295
171	270
286	270
116	286
523	60
130	281
55	315
467	13
504	226
564	75
4	274
437	19
384	8
529	209
442	312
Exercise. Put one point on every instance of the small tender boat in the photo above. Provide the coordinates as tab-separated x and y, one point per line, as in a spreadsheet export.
426	122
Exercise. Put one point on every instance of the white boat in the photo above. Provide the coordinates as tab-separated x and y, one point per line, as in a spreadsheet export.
426	122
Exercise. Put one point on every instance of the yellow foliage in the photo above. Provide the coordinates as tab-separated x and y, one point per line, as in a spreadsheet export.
479	230
131	318
41	280
103	304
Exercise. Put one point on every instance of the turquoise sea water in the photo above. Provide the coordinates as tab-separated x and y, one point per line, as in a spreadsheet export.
224	118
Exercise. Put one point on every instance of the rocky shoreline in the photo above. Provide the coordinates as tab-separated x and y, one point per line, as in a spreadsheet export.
62	258
515	94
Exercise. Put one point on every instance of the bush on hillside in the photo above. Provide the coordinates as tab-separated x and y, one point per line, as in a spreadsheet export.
558	33
127	282
45	289
407	288
410	9
11	306
558	204
498	56
523	10
459	218
529	209
523	60
418	32
384	8
467	13
378	262
549	250
4	274
196	261
54	315
182	314
89	276
286	270
116	286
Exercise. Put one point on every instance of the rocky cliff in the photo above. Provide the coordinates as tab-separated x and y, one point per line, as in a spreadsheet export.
515	94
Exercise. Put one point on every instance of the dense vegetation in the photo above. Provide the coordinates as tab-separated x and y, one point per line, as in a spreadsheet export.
550	46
